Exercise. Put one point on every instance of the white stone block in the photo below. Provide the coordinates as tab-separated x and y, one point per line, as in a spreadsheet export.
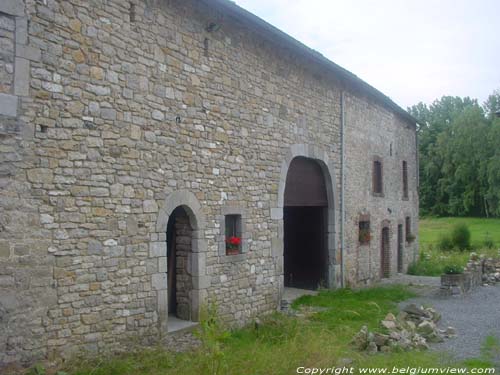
12	7
8	105
157	249
159	281
22	77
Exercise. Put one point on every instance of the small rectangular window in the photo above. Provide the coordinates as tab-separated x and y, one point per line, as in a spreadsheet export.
405	180
233	234
132	12
364	232
377	177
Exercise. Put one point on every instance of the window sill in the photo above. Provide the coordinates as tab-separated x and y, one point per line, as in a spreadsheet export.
232	258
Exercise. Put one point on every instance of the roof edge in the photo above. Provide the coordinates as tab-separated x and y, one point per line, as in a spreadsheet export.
315	55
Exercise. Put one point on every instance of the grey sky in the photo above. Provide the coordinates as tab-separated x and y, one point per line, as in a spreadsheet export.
411	50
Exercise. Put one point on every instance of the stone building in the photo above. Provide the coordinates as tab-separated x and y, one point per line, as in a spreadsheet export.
137	137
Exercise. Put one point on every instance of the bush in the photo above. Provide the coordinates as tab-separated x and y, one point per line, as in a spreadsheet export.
488	242
445	243
425	266
413	268
460	236
453	269
212	334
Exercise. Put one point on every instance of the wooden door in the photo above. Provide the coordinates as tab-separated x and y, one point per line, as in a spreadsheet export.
400	248
385	260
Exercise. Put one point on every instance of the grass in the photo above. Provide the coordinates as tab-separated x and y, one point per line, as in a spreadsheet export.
432	260
282	343
431	229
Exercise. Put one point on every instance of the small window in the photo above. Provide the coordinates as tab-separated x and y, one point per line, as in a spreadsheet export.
364	232
409	235
233	234
377	177
405	180
132	12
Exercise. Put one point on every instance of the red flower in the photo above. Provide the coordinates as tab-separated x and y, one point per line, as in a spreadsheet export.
235	241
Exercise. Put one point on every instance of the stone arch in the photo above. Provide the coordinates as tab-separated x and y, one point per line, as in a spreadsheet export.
321	157
197	258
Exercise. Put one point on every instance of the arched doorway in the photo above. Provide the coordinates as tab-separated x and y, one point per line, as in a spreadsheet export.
179	250
175	208
305	216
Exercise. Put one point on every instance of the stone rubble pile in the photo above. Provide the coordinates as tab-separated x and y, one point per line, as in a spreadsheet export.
413	328
490	268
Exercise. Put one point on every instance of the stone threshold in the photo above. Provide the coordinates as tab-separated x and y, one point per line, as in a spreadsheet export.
176	325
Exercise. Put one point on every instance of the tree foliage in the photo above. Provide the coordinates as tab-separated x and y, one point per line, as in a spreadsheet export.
459	145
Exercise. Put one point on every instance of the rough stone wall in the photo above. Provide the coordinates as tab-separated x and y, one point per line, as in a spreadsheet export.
111	111
27	288
118	113
372	132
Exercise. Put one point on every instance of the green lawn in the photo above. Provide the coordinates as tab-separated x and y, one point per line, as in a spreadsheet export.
281	343
432	259
431	229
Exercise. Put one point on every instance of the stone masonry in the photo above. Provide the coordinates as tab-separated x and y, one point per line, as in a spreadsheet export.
392	141
113	113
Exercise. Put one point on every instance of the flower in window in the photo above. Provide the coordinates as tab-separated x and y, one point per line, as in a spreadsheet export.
233	245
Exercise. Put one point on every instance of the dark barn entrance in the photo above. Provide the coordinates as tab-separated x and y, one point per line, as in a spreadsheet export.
179	235
305	225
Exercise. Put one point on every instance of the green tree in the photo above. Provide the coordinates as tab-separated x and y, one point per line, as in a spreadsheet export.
459	156
492	104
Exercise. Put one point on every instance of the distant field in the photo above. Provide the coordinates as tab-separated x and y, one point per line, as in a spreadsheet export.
431	229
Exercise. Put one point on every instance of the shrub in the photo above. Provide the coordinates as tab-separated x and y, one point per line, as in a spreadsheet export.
413	268
426	265
460	236
453	269
445	243
212	335
488	242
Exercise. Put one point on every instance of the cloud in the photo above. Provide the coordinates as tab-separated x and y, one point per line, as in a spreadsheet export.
410	50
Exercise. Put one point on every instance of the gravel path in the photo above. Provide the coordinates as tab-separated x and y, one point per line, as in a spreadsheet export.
474	316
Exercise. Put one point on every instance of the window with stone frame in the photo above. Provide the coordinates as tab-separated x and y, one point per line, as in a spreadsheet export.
377	176
405	180
364	235
233	234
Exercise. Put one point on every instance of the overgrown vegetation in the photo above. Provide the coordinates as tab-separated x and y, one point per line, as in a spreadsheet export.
444	241
211	334
483	231
459	156
458	239
460	236
279	343
453	269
